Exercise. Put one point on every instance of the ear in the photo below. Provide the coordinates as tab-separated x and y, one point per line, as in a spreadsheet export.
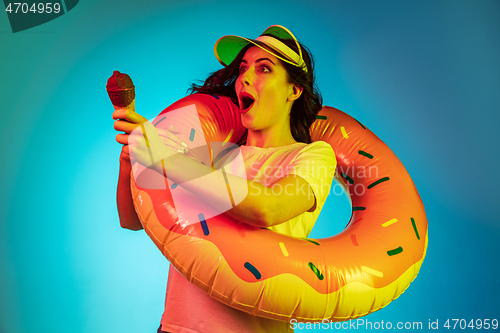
295	92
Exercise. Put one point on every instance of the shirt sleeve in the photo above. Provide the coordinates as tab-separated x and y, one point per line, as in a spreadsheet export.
316	164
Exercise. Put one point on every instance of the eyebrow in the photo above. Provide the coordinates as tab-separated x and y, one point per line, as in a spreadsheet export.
259	60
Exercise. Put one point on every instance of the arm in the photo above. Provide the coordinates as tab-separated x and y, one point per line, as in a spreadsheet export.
125	204
256	204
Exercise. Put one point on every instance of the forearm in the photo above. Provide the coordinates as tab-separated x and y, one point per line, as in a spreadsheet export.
126	212
251	201
242	199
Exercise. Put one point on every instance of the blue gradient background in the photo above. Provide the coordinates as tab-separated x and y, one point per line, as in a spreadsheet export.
424	76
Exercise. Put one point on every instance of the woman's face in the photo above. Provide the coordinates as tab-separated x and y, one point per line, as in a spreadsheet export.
264	93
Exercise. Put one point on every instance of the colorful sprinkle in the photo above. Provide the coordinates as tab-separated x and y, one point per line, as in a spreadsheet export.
228	187
375	183
361	124
321	117
346	177
388	223
147	142
253	270
372	271
164	172
354	240
174	185
211	151
415	228
310	240
364	153
159	121
204	225
344	133
214	96
357	220
395	251
316	271
228	137
358	208
283	249
191	136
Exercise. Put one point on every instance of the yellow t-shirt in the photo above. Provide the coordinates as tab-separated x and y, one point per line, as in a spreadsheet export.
187	308
314	162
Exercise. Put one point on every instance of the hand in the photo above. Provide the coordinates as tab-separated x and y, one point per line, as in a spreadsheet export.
147	142
127	121
146	146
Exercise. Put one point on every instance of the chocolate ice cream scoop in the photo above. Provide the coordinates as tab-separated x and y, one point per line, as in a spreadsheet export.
120	89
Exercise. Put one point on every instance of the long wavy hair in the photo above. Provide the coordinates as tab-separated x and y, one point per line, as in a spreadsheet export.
304	109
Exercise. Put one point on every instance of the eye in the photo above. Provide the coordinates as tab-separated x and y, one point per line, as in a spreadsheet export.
264	69
242	69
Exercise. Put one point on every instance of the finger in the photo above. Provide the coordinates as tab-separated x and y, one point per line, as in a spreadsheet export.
128	115
157	143
119	114
174	144
176	148
134	117
168	136
124	126
122	138
175	137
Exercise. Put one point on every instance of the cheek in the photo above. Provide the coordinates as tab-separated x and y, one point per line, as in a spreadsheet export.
274	92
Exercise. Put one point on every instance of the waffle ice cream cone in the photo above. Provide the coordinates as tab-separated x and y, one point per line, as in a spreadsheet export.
121	91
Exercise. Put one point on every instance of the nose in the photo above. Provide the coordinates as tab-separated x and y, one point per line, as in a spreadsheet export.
246	78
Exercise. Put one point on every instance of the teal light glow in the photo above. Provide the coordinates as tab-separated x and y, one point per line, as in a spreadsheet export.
424	76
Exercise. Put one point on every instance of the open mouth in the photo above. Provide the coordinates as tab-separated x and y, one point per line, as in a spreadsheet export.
246	102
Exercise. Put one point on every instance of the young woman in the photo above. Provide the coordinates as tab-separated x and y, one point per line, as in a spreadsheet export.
271	79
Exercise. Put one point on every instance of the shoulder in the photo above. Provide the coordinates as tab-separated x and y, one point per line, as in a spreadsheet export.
318	150
313	158
322	145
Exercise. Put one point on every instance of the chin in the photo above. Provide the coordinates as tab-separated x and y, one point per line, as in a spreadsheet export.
246	122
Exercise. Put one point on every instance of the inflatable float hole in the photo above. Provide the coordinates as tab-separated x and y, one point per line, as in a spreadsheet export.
336	212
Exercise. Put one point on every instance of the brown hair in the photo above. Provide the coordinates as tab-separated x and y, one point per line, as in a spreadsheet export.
304	109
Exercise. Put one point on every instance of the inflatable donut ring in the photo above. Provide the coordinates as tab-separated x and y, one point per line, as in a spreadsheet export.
359	271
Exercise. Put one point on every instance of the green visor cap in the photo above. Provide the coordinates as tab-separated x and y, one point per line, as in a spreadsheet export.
227	48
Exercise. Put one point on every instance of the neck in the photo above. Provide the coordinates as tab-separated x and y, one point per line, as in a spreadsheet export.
266	140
